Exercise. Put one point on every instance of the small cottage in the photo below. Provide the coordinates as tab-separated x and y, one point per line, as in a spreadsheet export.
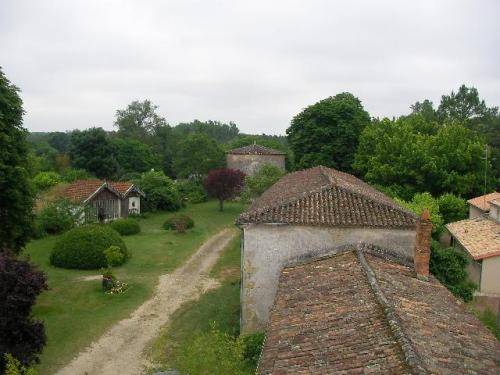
249	159
104	200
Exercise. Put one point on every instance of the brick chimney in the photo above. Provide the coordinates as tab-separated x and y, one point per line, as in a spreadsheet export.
422	253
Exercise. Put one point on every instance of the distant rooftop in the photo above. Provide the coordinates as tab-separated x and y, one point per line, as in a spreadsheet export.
480	236
483	202
327	197
255	149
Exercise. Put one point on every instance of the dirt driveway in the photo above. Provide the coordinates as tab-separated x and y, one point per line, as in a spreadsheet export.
120	349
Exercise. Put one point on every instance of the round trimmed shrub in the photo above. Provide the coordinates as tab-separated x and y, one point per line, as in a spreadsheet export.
172	222
126	227
84	247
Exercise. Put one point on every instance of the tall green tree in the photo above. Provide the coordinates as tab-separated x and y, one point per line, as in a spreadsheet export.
164	143
133	156
411	155
93	151
327	132
139	120
464	106
425	109
60	141
196	155
16	199
217	130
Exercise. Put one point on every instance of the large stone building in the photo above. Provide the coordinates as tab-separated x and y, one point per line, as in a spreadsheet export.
249	159
307	214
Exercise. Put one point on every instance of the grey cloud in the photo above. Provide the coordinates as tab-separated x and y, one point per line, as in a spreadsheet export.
256	63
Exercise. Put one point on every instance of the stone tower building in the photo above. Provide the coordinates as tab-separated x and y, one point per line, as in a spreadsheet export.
250	158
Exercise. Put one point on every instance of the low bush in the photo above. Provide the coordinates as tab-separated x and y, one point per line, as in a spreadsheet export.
126	227
20	334
14	367
72	175
174	222
114	256
44	180
452	208
490	320
161	192
56	217
265	177
211	352
191	190
84	247
450	267
425	201
252	346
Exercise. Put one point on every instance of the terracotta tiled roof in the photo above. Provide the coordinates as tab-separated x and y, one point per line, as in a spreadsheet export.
325	196
483	202
255	150
355	312
480	236
81	190
121	187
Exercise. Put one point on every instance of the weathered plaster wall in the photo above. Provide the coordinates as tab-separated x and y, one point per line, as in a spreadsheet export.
267	248
474	212
474	269
250	164
490	276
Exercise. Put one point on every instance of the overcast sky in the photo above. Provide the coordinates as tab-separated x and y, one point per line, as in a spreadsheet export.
257	63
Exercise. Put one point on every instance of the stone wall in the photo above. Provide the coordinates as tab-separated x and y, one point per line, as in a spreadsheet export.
250	164
267	248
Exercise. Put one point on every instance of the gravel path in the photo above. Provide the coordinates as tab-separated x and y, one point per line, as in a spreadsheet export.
120	349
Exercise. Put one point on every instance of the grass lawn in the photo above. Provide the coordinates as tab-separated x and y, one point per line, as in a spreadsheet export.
76	312
219	307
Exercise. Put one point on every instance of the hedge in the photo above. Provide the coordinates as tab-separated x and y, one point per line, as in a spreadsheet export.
126	227
83	247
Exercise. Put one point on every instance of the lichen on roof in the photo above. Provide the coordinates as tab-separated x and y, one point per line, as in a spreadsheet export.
325	196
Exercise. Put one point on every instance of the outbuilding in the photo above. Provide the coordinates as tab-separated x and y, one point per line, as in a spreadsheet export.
250	158
307	214
104	200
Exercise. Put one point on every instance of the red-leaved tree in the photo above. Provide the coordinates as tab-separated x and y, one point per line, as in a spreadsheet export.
20	334
224	184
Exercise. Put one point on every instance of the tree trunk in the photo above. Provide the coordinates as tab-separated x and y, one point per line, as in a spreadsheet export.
221	204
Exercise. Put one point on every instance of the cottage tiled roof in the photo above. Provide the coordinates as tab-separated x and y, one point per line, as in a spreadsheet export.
325	196
483	202
480	236
81	190
255	150
357	312
121	187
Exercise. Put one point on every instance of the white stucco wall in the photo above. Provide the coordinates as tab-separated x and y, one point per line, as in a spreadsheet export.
474	212
267	248
490	276
134	203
